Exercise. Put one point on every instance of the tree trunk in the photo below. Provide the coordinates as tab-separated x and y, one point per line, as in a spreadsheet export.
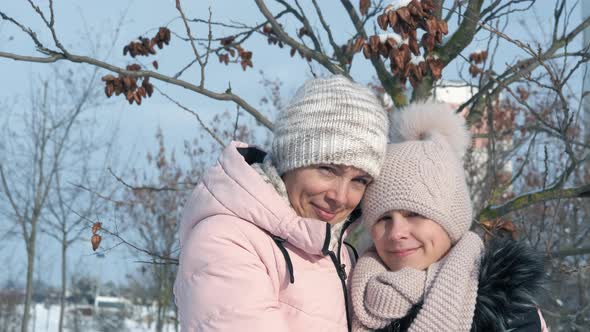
62	297
159	323
175	319
29	288
159	310
424	89
161	302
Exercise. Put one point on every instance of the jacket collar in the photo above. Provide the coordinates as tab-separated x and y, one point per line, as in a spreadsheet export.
240	189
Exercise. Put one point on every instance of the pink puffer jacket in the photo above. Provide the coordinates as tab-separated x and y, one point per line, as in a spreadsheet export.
235	272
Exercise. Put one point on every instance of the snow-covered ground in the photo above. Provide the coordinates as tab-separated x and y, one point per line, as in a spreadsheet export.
46	319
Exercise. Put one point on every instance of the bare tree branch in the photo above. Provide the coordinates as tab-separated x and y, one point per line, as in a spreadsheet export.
50	24
196	115
389	82
303	19
463	35
149	188
190	37
335	47
570	252
525	200
520	69
282	35
497	10
228	95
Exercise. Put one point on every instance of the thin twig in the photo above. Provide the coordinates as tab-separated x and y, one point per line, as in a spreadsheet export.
189	35
283	36
147	188
303	19
101	196
196	115
236	123
328	30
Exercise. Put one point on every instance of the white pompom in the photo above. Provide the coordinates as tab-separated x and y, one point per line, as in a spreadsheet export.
419	121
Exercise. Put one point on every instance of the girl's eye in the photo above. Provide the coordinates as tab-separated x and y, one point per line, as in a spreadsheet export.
384	218
363	181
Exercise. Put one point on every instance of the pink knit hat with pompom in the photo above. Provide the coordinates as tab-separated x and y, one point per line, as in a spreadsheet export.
423	169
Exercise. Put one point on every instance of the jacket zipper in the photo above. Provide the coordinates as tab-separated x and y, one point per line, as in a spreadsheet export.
341	270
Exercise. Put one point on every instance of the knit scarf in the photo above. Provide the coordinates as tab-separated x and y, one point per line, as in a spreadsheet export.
448	290
270	175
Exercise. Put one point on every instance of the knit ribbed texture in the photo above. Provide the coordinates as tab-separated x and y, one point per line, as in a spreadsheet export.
448	290
331	121
424	174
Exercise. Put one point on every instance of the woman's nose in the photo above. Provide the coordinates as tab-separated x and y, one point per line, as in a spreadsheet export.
338	193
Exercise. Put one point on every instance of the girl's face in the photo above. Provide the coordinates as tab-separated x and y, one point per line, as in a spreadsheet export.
326	192
406	239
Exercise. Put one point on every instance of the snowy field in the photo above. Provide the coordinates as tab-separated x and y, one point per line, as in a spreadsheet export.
46	319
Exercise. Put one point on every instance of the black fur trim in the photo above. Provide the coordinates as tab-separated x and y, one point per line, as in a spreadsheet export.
252	154
511	275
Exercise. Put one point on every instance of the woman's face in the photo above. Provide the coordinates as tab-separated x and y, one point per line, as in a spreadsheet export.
326	192
406	239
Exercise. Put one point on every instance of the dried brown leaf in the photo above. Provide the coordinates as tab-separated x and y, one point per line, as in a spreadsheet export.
374	42
95	241
358	44
436	66
108	78
364	6
443	27
414	46
97	226
367	51
383	20
391	42
392	19
474	70
428	41
404	15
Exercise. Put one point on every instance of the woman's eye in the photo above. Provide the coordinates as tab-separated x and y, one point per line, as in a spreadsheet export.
413	215
327	169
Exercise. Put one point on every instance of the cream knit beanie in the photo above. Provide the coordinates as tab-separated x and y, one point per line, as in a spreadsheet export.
423	169
331	121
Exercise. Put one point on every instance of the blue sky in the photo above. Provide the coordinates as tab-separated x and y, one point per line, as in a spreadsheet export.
87	28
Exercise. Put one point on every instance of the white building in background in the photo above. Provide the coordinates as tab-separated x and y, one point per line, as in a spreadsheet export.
110	304
456	94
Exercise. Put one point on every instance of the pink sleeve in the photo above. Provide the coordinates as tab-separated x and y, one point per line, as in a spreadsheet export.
222	284
543	324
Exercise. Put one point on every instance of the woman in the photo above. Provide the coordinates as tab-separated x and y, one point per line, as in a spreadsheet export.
427	271
261	236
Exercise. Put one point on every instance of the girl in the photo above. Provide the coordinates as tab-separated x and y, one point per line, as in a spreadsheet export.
427	271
